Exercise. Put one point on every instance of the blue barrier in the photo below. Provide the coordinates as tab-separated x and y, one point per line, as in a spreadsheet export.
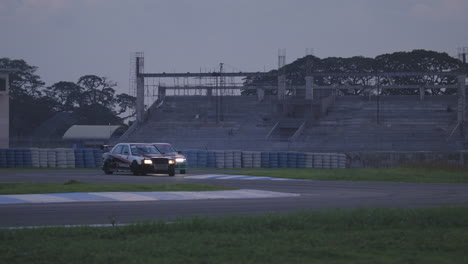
282	159
18	158
27	158
79	158
202	158
89	160
211	159
292	160
192	159
301	160
265	160
98	157
3	158
274	163
10	158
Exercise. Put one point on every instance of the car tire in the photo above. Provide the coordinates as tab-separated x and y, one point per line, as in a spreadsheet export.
135	168
106	168
182	171
171	172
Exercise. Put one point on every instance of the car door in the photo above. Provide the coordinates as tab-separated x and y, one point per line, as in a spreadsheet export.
125	154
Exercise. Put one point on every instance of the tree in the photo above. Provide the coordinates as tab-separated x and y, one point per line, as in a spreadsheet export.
97	90
68	95
418	61
23	81
126	103
93	100
414	61
28	105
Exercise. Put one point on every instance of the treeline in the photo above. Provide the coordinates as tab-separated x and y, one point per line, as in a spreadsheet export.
414	61
92	100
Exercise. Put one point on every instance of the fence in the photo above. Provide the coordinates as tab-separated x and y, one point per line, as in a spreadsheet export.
92	158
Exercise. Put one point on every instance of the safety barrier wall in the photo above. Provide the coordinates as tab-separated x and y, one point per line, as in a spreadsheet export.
267	159
92	158
50	158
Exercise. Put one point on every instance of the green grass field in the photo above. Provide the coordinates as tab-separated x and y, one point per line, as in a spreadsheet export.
436	235
435	175
77	186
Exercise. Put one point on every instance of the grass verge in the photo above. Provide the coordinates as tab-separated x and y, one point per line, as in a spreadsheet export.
434	175
77	186
435	235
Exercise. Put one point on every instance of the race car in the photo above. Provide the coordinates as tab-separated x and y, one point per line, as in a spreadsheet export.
138	158
167	150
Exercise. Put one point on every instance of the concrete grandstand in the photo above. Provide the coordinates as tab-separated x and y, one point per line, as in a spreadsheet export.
304	118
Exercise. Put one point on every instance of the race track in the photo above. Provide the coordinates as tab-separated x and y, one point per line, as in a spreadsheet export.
312	195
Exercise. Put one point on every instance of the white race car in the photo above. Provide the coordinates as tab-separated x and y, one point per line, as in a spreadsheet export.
138	158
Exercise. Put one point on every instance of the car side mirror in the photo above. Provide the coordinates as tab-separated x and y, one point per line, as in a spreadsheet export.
125	153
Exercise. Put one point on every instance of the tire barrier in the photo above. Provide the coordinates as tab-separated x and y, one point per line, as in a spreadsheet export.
211	161
202	159
265	159
341	161
3	158
51	158
247	159
61	156
43	158
229	159
273	158
89	160
257	159
309	160
318	160
98	157
237	159
35	161
301	160
71	158
92	158
192	158
292	160
282	159
79	158
219	159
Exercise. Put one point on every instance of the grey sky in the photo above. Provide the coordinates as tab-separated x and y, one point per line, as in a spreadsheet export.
70	38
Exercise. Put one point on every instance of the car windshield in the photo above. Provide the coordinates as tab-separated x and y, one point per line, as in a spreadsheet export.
144	149
165	148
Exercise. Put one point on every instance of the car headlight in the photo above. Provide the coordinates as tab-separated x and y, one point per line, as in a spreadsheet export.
179	160
147	161
171	161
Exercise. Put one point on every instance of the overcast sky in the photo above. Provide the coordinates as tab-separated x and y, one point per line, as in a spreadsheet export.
67	39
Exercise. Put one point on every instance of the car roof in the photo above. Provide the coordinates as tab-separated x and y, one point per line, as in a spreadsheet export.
148	144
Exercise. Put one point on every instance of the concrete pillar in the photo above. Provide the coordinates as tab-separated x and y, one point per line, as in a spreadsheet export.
421	93
461	117
260	94
140	99
281	87
4	111
309	88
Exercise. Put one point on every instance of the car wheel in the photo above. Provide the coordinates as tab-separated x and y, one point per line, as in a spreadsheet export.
182	171
106	168
135	168
171	172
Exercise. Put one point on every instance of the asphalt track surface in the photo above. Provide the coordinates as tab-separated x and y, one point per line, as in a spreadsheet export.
313	195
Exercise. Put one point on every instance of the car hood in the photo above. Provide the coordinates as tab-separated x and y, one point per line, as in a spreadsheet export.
173	155
153	156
